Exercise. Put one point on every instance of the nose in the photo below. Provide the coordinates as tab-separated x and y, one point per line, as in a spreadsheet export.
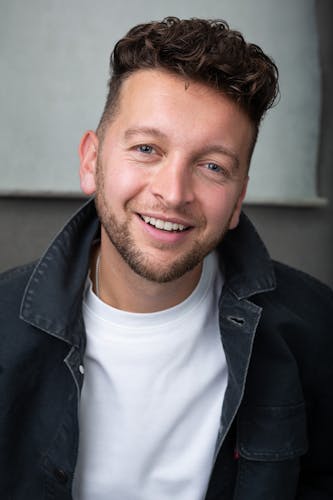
172	183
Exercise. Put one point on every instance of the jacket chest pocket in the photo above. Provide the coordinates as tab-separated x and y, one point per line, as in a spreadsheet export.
270	441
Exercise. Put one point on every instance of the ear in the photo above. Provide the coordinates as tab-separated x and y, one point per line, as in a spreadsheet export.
88	161
237	210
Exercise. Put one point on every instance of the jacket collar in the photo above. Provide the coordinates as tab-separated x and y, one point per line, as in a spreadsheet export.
52	300
247	266
53	296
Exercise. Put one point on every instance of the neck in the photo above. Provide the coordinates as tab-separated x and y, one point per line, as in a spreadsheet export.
119	286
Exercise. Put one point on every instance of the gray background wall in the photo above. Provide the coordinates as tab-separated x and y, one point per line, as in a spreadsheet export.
302	237
54	54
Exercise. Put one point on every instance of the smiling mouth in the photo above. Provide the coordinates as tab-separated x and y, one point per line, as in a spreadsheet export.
164	225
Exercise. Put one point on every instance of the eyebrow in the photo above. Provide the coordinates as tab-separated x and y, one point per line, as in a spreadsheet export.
129	133
210	149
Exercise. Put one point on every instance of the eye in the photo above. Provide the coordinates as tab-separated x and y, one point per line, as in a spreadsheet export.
214	167
145	148
145	154
214	172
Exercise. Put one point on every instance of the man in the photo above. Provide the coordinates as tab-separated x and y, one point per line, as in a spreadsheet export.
155	351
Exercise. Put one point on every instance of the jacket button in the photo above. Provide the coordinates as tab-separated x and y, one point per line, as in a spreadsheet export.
60	475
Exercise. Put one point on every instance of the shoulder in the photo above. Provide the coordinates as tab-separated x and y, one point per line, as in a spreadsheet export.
299	309
301	291
16	273
17	277
12	285
287	275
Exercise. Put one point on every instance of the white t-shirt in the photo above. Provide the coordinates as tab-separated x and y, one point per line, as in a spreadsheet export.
152	398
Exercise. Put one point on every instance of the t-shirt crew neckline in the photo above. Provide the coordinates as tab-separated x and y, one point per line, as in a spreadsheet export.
147	322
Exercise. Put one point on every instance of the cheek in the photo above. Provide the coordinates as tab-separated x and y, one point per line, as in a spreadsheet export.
219	209
123	184
215	212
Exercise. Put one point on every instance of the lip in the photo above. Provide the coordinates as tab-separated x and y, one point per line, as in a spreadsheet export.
161	236
174	220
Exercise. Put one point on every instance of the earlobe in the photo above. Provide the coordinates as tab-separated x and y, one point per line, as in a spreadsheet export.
88	160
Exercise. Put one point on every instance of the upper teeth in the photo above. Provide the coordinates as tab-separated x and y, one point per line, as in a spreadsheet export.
162	224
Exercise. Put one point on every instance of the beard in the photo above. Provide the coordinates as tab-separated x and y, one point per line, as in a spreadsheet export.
139	260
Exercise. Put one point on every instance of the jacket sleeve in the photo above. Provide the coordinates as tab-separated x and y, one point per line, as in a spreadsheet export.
315	361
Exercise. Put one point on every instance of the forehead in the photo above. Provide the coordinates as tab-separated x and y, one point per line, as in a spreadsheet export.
183	110
161	84
146	81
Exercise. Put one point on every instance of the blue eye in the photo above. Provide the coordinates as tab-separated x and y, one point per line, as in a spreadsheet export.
145	148
214	167
215	172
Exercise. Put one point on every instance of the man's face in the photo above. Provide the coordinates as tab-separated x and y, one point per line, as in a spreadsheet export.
170	173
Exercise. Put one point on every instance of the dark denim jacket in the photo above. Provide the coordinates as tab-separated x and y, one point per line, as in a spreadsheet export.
275	438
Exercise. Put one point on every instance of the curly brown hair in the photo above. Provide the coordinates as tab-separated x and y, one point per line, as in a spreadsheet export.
202	50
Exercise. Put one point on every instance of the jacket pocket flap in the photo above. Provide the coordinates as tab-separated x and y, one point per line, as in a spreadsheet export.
272	433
